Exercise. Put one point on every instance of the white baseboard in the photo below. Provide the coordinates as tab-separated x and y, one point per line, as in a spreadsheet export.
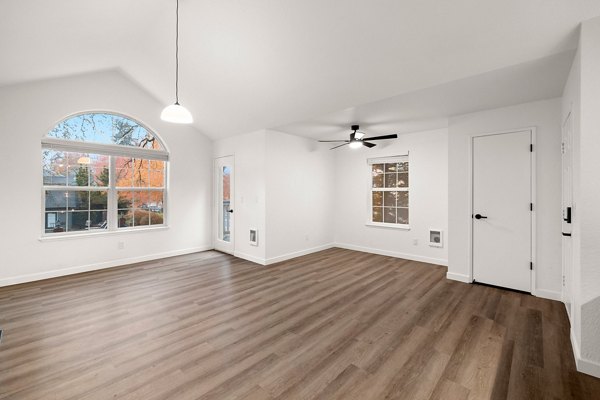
248	257
548	294
413	257
300	253
96	266
458	277
586	366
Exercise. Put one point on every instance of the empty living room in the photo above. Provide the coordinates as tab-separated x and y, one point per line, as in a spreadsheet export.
281	200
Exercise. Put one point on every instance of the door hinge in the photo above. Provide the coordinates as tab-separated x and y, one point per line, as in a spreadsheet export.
530	206
531	266
531	148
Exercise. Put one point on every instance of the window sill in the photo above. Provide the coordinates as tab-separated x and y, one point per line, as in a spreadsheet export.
51	238
388	226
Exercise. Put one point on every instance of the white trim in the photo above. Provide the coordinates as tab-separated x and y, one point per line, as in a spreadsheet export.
548	294
300	253
583	365
96	266
458	277
101	232
104	149
532	135
248	257
412	257
404	227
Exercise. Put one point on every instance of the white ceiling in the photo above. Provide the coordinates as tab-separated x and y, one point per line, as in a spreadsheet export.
247	65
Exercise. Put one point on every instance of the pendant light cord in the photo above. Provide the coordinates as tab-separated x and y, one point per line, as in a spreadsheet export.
177	52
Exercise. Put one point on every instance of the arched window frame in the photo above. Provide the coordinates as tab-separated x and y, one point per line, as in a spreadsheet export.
114	152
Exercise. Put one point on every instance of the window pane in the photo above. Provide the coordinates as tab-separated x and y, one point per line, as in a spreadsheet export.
389	199
403	166
402	198
377	214
157	173
390	180
141	173
403	180
77	221
141	199
389	215
98	200
78	175
98	220
78	200
141	217
378	181
125	200
54	167
125	218
403	215
155	206
56	222
392	167
377	198
99	176
56	200
124	172
377	174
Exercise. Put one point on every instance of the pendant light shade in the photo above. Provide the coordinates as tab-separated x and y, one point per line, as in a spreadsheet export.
176	113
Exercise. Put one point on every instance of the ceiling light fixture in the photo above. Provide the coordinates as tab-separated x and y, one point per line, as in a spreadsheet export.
355	144
176	112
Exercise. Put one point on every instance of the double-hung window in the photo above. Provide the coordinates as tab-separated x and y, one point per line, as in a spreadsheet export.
389	204
102	172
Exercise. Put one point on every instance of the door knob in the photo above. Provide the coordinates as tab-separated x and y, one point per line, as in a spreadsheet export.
479	216
230	211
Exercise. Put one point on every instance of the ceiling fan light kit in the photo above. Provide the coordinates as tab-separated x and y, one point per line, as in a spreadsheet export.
176	113
358	139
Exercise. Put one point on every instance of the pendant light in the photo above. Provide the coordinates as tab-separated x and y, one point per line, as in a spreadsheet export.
176	112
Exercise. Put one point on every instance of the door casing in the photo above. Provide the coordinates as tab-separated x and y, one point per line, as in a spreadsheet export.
218	244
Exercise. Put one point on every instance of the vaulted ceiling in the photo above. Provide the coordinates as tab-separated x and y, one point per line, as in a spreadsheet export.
247	65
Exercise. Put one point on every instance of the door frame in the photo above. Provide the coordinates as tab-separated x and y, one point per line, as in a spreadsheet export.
568	120
533	196
216	202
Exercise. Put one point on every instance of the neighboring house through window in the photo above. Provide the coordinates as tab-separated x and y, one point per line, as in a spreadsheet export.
102	172
389	205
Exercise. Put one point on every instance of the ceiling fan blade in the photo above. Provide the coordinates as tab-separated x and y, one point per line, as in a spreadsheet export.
369	145
352	135
338	146
331	141
394	136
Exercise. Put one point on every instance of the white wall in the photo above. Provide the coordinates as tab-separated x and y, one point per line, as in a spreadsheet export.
545	116
428	198
300	196
582	98
249	151
27	112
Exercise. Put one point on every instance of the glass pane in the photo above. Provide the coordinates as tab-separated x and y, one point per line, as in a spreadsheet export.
378	181
56	200
403	215
125	199
78	175
98	220
98	200
403	180
226	232
403	166
377	214
78	200
377	174
389	215
141	217
155	206
54	167
77	221
99	176
377	169
124	172
157	173
390	180
141	199
56	222
389	199
125	218
377	198
141	173
402	198
392	167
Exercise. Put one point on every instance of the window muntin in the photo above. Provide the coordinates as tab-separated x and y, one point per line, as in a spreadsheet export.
118	186
389	200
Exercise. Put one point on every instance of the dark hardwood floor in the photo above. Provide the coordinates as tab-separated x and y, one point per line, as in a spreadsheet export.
337	324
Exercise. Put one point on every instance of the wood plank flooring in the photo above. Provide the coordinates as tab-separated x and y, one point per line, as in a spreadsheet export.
337	324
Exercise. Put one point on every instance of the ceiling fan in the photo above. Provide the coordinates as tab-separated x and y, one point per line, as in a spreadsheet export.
358	139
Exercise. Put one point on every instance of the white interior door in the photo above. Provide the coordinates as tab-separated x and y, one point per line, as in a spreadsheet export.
224	204
567	204
501	210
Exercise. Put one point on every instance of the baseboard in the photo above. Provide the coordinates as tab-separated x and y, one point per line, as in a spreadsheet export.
548	294
248	257
458	277
586	366
93	267
300	253
413	257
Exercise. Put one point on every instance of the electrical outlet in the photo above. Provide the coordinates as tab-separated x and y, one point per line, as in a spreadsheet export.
121	245
415	242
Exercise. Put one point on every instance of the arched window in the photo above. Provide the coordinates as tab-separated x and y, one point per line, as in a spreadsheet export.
102	172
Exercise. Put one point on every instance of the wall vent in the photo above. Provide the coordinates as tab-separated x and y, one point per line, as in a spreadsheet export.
436	238
253	237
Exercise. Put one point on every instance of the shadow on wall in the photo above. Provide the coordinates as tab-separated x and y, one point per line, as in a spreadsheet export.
590	330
